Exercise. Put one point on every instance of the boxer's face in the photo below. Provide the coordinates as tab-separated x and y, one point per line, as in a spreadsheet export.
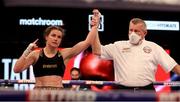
54	38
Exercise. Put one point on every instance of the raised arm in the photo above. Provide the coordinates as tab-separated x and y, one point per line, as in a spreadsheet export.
26	59
96	45
81	46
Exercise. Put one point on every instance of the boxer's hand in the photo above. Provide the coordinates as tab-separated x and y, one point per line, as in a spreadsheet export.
95	18
30	48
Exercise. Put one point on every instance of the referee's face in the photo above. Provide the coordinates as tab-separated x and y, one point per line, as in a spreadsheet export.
138	29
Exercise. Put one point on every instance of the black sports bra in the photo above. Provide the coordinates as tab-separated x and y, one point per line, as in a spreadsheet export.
49	66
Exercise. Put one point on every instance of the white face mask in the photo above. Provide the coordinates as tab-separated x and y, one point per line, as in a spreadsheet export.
134	38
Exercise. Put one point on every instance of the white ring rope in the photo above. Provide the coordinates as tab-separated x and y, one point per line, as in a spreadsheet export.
85	82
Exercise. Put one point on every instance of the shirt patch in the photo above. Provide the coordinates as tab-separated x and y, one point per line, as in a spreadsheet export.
127	49
147	49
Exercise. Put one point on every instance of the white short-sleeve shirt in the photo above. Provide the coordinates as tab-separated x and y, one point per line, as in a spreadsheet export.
136	65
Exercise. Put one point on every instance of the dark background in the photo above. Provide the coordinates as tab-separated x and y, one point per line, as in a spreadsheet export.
15	38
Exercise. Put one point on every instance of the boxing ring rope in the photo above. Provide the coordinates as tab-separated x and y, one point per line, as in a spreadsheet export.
85	82
69	95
